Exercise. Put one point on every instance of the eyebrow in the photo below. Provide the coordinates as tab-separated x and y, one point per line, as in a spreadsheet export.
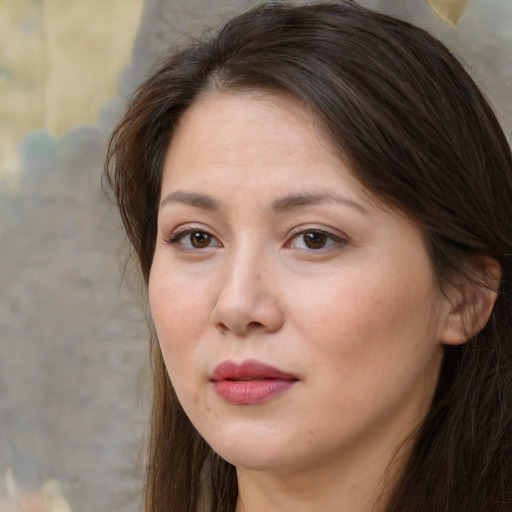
294	201
282	205
202	201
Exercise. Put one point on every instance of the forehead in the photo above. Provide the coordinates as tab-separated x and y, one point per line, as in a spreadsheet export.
225	120
250	133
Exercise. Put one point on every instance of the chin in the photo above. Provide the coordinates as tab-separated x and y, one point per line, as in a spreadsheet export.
254	460
252	451
262	451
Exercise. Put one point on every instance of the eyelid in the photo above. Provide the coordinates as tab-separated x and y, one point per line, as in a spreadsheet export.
180	232
337	237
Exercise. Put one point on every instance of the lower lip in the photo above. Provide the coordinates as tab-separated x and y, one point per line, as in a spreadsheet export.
251	392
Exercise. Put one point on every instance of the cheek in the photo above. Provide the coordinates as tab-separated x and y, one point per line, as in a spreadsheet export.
179	325
376	348
179	314
370	323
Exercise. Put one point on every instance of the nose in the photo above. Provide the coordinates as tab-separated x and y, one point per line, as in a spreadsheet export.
247	301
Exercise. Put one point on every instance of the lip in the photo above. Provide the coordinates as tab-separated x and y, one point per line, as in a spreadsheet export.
250	382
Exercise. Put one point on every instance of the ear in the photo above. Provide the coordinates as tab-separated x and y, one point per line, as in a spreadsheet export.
471	302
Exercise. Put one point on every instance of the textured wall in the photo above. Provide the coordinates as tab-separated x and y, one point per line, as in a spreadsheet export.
74	384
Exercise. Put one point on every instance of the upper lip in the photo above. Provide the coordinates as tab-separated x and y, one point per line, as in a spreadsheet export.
248	370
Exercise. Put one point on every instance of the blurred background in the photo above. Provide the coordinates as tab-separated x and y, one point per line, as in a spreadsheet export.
74	378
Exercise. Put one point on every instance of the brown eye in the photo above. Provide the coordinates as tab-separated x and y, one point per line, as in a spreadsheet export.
200	240
194	239
314	240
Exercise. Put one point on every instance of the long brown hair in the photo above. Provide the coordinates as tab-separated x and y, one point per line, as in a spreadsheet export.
417	133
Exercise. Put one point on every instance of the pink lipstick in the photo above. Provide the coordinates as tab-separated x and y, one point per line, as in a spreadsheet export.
250	382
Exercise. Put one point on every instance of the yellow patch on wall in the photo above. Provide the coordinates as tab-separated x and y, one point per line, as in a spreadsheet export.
449	11
60	61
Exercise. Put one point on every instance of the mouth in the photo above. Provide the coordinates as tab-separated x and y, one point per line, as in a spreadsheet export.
250	382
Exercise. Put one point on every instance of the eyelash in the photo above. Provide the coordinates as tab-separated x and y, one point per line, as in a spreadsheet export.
178	236
336	240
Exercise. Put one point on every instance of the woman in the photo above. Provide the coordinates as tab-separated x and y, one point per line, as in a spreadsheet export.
318	197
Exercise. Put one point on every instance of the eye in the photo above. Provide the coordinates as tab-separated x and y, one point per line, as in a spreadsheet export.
194	239
315	240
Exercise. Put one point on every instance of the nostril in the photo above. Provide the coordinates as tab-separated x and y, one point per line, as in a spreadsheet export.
222	327
242	330
254	325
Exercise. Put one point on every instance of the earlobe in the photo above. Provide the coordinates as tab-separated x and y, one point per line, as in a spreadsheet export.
472	302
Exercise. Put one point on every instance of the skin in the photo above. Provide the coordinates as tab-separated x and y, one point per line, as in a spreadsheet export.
357	319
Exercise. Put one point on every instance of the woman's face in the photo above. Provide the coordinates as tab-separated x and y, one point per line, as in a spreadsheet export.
298	318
